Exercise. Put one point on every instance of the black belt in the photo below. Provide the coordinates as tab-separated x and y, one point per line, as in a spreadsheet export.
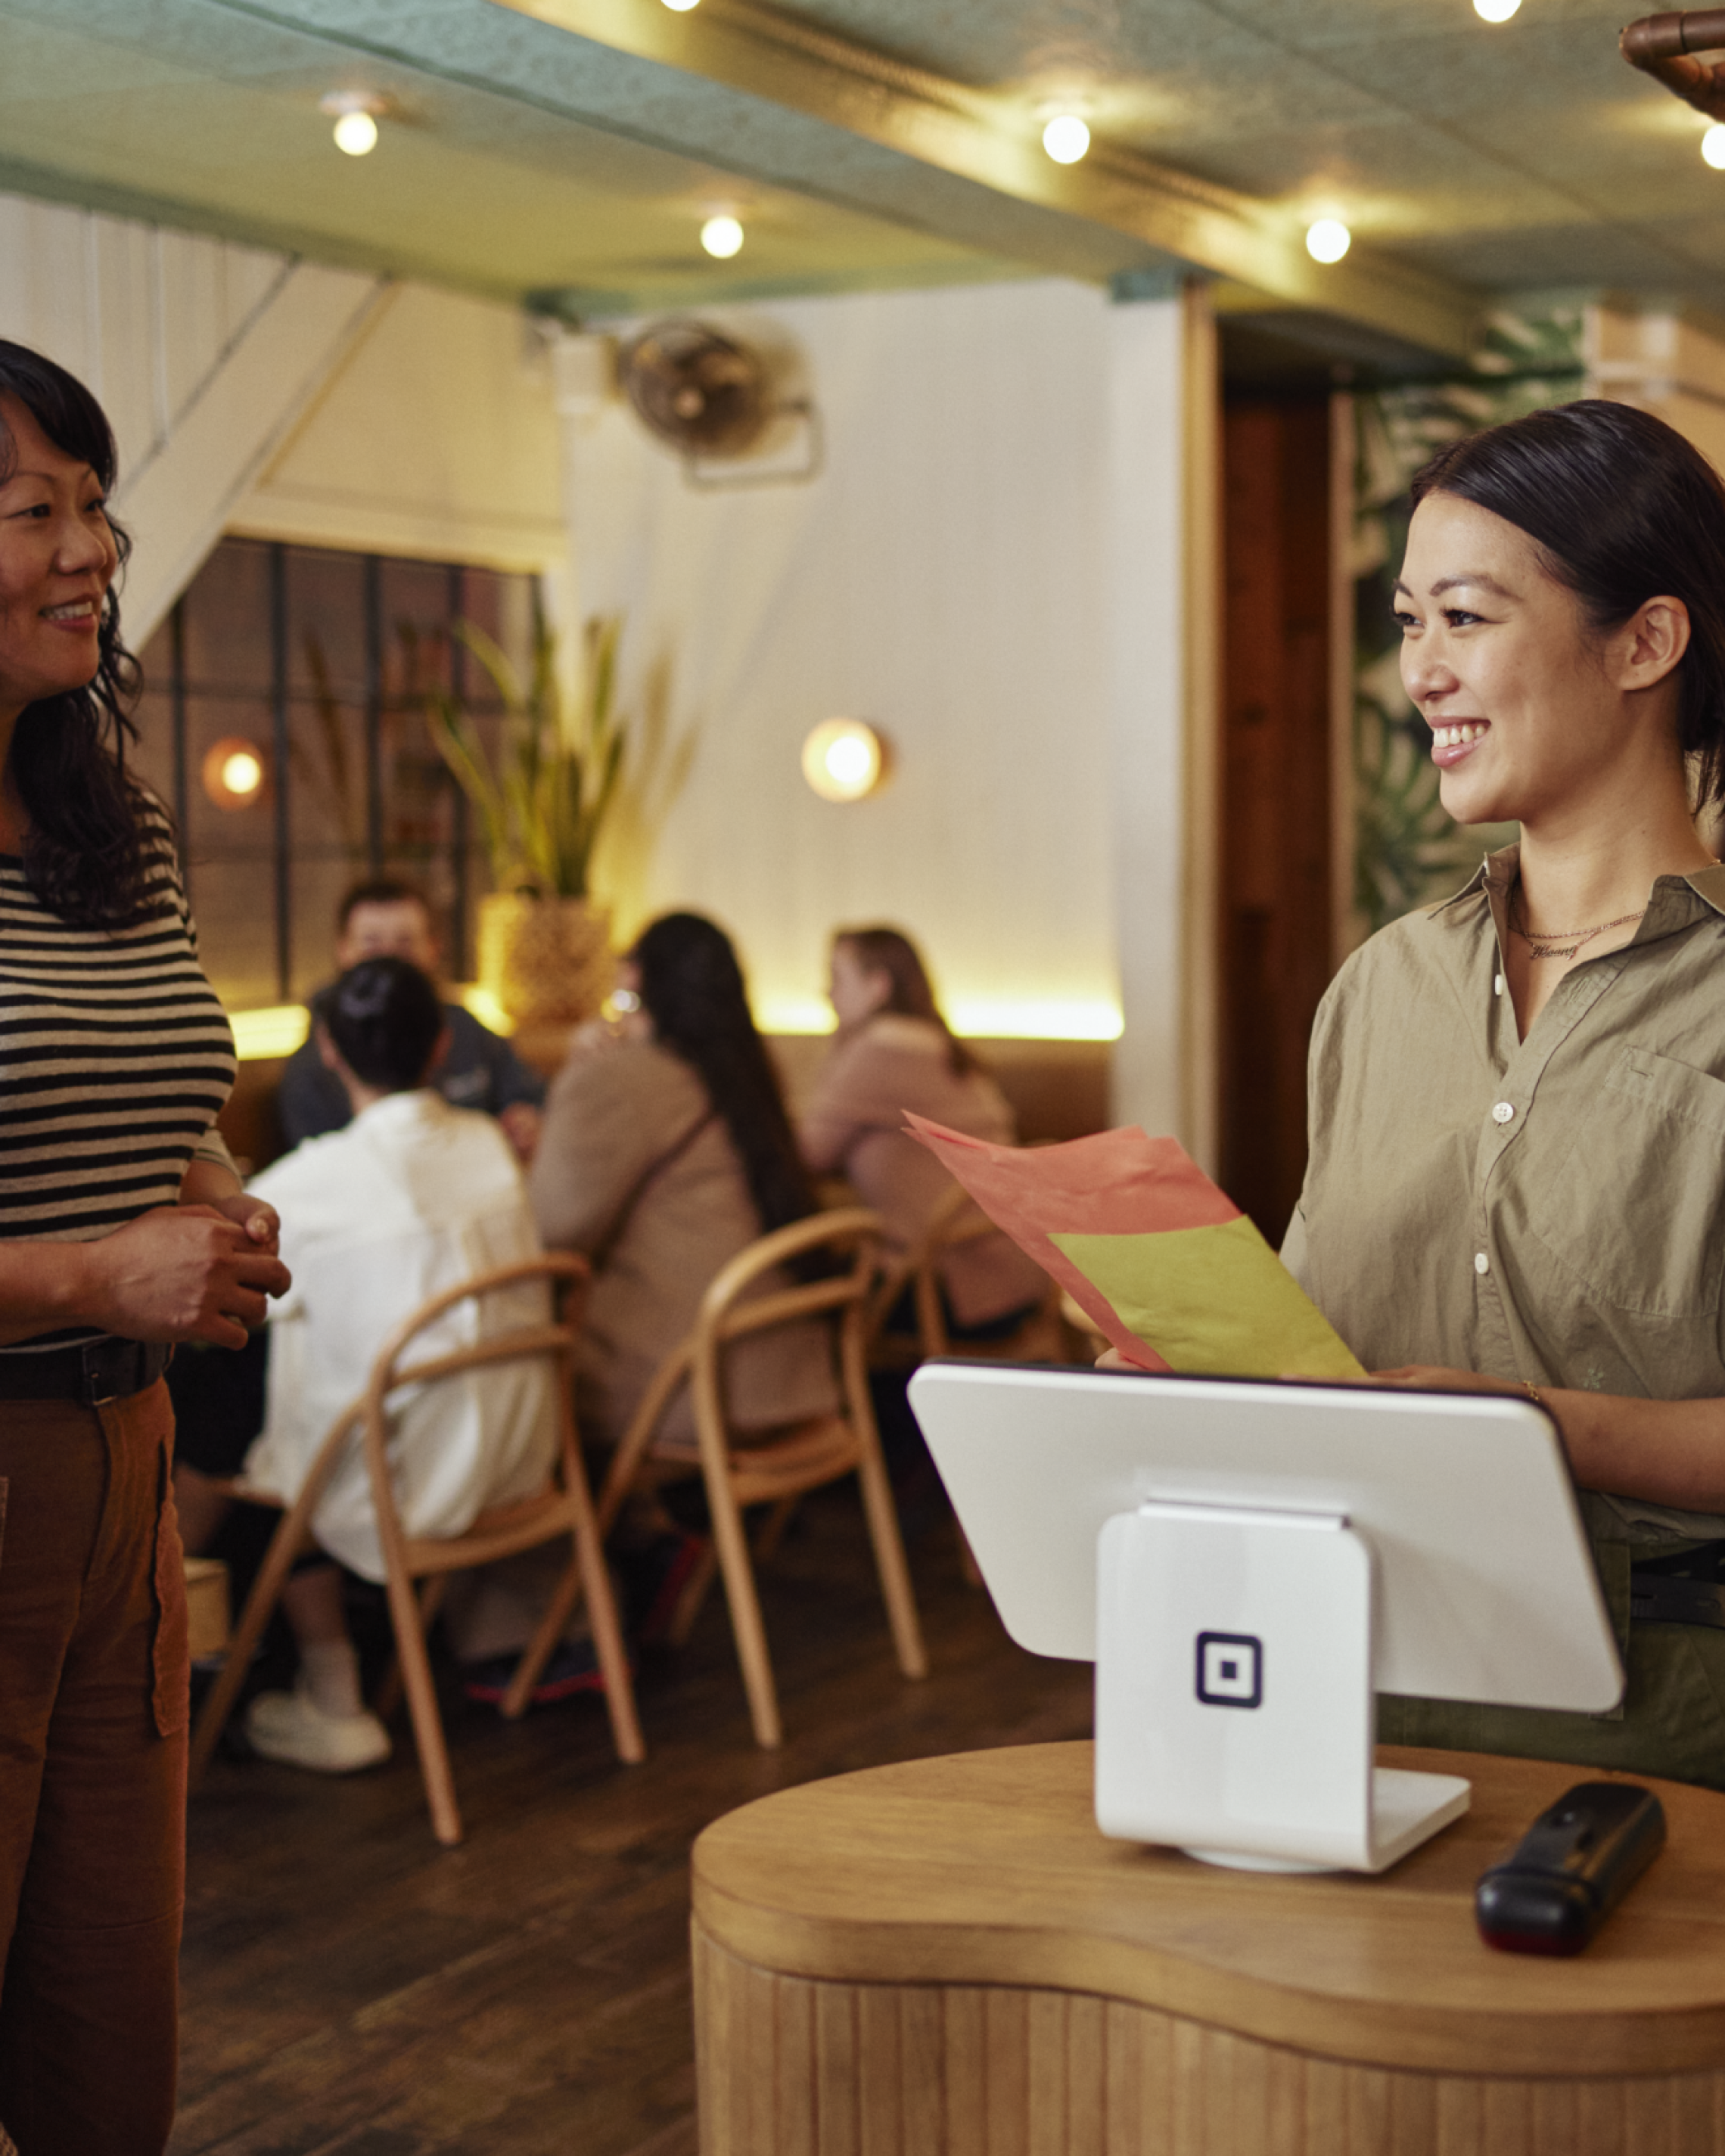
93	1374
1680	1590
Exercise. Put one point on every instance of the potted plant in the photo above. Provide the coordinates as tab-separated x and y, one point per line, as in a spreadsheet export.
542	801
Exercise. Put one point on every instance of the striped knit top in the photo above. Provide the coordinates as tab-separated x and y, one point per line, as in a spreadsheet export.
115	1057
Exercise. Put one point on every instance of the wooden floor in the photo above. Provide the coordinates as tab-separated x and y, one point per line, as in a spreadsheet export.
350	1987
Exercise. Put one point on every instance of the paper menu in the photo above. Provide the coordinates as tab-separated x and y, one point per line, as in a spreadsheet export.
1172	1273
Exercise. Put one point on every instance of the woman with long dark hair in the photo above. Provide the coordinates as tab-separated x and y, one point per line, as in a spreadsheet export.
123	1229
1518	1167
665	1151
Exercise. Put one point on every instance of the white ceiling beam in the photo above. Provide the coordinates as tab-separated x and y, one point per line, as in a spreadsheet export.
176	503
994	139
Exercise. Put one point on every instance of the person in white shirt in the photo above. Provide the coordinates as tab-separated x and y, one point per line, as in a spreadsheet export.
411	1198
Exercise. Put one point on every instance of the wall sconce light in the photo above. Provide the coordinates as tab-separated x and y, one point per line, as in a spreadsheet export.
843	759
234	772
356	113
721	236
1328	240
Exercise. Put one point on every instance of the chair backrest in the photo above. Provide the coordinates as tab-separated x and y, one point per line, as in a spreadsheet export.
554	1338
728	1313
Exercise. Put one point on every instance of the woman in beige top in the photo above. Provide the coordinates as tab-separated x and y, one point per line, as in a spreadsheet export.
665	1151
894	1051
1518	1167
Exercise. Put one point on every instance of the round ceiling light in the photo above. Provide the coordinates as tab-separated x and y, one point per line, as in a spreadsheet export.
356	113
722	237
234	770
1713	147
1328	240
1065	138
681	7
1495	11
843	759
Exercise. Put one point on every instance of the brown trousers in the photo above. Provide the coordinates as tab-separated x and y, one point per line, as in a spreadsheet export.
93	1717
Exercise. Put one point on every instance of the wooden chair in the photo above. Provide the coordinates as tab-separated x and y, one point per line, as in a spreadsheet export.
779	1467
564	1507
955	1220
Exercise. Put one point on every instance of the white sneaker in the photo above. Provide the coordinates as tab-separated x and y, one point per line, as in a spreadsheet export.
291	1727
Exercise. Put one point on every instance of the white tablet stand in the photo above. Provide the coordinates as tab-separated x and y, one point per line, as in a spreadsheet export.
1249	1564
1234	1694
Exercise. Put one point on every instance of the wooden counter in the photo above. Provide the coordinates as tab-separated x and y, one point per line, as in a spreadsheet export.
947	1956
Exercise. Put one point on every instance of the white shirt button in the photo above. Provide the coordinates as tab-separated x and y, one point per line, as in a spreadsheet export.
1481	1263
1504	1112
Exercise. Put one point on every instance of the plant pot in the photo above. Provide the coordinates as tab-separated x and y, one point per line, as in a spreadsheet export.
547	961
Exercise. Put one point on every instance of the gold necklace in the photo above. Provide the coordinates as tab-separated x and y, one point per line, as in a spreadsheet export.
1564	943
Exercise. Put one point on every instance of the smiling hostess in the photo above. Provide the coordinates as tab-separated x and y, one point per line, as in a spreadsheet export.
123	1229
1516	1180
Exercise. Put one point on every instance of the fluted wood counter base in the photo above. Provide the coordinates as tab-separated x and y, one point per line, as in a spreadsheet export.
947	1958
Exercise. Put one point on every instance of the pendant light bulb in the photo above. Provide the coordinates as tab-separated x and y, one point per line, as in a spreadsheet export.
1328	240
721	237
356	113
1065	138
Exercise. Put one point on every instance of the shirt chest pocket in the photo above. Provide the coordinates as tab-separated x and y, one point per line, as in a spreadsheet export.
1636	1209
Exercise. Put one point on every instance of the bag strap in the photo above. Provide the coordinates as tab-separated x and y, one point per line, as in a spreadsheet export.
638	1189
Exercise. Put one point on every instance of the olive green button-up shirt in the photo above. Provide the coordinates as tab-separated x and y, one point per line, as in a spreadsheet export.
1551	1209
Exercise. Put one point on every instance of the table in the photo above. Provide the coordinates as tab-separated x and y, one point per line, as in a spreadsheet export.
947	1956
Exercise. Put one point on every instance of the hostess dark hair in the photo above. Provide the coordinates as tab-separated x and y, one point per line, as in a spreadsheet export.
909	992
1623	510
692	989
95	834
386	1020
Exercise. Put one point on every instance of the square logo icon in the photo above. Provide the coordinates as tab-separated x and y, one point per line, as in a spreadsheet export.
1230	1669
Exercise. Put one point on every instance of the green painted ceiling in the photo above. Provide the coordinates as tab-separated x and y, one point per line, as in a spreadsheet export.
523	158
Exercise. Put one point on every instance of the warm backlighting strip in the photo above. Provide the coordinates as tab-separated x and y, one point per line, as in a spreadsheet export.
259	1035
977	1018
262	1034
484	1007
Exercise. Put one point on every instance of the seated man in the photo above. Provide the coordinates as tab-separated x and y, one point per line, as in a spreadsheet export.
411	1198
387	919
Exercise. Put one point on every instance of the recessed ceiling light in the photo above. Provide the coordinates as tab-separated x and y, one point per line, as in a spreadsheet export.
843	759
722	236
1713	147
356	114
1065	138
1495	11
1328	240
681	7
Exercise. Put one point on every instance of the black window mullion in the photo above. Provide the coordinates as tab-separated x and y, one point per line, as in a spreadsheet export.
374	603
284	885
457	602
176	704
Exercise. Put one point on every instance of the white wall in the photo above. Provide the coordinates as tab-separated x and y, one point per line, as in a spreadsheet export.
252	393
987	569
436	439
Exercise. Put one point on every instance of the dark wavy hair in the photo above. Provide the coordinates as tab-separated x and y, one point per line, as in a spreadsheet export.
1622	510
692	989
909	992
95	834
386	1020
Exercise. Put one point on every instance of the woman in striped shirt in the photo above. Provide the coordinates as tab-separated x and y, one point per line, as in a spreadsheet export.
123	1229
